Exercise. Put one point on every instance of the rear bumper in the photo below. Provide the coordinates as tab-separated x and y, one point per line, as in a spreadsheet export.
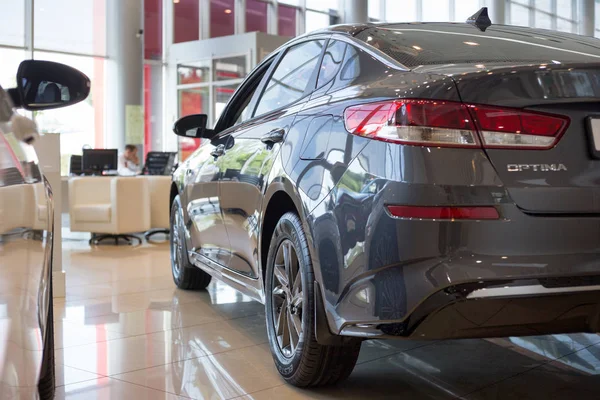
377	271
495	309
521	275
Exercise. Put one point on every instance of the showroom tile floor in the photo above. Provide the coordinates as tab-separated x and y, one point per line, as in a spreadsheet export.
125	332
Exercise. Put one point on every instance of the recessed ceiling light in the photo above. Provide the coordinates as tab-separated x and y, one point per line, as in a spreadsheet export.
472	43
227	11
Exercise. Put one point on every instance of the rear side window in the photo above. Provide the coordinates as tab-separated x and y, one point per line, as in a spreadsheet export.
444	43
350	66
291	77
332	62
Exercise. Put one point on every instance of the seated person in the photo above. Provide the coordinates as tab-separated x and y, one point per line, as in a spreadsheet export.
129	163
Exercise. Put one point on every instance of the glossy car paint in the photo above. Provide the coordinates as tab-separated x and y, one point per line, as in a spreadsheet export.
382	276
25	265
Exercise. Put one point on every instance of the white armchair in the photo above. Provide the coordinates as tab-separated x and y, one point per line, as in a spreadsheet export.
160	188
15	205
109	207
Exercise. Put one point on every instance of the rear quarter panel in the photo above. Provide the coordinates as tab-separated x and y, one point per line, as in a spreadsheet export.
330	170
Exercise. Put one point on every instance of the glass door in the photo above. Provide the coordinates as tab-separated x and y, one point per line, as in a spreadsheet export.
205	87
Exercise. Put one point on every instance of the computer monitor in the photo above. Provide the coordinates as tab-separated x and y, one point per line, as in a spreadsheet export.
76	165
159	163
99	160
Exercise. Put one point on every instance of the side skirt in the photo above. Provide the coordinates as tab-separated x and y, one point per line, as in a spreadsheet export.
248	286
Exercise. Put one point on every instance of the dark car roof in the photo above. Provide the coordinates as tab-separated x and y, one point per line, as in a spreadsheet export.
429	43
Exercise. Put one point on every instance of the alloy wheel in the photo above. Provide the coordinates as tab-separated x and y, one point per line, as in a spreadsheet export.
287	299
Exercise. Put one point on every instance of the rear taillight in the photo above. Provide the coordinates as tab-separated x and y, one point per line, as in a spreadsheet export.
513	128
419	122
452	124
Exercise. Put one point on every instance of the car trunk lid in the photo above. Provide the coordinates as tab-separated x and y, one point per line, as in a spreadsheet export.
564	179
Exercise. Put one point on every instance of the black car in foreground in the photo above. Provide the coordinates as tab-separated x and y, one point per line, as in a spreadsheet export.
27	367
415	180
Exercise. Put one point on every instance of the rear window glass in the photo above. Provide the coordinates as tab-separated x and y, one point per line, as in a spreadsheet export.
443	43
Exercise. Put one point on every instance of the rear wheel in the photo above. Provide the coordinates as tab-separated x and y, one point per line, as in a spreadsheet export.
289	293
185	275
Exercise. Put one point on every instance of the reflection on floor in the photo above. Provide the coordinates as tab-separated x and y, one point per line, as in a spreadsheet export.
125	332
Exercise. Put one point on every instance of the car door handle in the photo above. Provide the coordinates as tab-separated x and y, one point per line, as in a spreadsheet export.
218	151
275	136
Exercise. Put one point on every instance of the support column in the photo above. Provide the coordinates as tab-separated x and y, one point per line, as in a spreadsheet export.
586	13
356	11
497	11
125	70
28	24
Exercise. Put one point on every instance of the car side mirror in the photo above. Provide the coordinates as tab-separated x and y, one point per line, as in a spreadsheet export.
193	126
43	85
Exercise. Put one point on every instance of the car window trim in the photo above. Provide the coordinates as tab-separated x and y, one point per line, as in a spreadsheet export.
263	69
310	85
376	53
240	128
321	64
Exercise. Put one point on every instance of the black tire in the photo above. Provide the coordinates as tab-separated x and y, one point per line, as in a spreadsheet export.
310	364
185	275
46	384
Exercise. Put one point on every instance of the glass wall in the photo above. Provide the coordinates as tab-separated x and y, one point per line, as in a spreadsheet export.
72	26
560	15
397	11
278	17
256	16
205	87
222	18
153	18
81	125
376	12
321	13
430	10
11	58
286	20
186	20
12	27
79	42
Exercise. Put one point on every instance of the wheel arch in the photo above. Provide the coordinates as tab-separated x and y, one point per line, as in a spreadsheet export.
279	200
173	193
281	197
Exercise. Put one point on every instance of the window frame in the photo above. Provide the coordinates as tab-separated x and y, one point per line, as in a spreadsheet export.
249	87
310	86
339	68
379	55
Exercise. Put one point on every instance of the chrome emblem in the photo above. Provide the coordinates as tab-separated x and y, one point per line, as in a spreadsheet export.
536	167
